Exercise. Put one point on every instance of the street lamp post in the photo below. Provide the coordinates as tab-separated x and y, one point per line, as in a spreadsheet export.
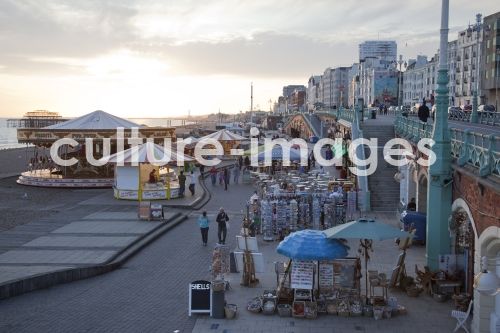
439	191
478	26
400	83
497	74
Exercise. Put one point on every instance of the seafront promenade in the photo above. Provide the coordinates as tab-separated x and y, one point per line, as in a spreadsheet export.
149	291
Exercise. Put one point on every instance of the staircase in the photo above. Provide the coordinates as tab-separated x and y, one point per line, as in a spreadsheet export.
384	190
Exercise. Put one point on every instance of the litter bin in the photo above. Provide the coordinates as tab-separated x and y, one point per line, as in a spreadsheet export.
415	220
374	114
218	299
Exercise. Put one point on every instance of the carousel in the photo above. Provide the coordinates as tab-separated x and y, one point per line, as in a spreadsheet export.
144	172
99	126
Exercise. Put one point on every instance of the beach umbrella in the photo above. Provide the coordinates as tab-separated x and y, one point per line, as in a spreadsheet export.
224	135
366	230
311	245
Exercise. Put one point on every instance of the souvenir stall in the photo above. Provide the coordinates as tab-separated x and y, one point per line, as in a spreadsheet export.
290	202
317	279
376	284
146	180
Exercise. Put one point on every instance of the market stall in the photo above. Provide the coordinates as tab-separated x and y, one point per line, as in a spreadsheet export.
290	201
139	176
227	139
367	230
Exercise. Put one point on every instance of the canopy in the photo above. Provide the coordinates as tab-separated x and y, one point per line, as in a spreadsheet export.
149	152
97	120
311	245
224	135
277	154
365	229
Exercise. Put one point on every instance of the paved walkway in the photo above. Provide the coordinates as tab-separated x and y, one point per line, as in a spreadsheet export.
424	314
147	294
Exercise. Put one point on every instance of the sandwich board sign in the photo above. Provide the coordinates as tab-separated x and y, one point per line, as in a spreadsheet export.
200	297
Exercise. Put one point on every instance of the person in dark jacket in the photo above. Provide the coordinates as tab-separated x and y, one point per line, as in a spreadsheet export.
221	220
423	112
226	178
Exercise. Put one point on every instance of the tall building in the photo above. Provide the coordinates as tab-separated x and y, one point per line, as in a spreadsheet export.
313	92
378	81
419	80
288	90
491	60
385	50
466	70
334	87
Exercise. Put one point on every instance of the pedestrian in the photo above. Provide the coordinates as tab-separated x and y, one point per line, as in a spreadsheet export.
236	174
246	162
221	177
412	205
423	113
202	169
222	220
226	178
385	110
182	183
192	183
213	175
203	222
240	162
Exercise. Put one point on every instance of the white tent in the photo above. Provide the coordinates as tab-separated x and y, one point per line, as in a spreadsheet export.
149	152
97	120
224	135
136	165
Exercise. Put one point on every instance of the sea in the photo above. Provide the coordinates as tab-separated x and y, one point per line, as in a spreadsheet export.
8	135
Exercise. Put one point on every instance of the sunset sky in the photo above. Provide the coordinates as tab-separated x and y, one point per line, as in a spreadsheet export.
162	58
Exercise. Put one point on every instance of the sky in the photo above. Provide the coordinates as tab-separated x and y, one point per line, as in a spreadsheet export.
162	58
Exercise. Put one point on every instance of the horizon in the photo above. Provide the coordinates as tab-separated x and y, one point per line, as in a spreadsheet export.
156	60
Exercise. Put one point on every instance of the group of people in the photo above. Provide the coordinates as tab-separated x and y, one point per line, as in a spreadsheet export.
182	183
224	174
222	225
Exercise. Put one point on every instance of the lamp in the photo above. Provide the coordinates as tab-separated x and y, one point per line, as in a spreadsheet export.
487	283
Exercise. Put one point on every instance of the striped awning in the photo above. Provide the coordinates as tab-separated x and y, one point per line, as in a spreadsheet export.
149	153
224	135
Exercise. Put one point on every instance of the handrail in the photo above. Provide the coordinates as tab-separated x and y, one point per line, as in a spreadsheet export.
468	148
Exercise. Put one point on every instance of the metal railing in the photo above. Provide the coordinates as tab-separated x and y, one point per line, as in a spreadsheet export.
468	148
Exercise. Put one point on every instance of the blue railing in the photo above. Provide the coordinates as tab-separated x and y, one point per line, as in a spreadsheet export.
468	148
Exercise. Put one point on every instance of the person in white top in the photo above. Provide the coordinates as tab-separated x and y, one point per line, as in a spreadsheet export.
192	182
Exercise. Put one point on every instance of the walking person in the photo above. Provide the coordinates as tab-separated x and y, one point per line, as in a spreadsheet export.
240	162
236	174
221	177
182	184
221	220
385	110
192	183
423	113
226	178
204	222
213	175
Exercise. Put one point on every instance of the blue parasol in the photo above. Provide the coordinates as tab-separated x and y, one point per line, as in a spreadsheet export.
311	245
277	154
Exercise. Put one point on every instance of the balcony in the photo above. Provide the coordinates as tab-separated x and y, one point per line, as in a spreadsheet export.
459	58
458	70
466	68
466	57
465	80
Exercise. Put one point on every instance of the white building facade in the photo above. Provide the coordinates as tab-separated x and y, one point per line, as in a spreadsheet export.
313	93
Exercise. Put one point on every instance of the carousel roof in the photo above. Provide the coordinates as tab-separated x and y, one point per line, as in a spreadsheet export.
149	152
97	120
224	135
